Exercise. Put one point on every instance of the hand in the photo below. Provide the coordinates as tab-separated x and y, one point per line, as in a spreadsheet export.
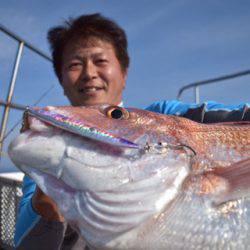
45	206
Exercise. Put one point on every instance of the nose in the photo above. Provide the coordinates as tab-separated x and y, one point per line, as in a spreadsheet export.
89	72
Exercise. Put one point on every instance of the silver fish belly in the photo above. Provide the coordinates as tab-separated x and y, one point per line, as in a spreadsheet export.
146	187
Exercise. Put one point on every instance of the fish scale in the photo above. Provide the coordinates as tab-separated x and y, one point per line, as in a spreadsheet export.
143	181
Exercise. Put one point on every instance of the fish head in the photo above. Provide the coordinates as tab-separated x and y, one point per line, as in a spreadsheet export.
99	163
109	130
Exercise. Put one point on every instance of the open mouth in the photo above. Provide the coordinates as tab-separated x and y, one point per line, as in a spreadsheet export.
87	90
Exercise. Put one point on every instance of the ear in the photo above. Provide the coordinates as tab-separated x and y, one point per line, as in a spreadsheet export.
66	93
125	75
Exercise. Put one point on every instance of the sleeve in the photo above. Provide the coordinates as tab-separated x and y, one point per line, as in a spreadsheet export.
207	112
33	231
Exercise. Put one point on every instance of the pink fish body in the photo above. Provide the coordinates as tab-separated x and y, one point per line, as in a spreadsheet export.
133	179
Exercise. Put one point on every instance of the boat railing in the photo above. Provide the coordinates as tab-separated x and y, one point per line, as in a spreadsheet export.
21	45
10	195
196	85
10	183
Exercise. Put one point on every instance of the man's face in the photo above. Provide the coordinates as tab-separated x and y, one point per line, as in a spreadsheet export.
91	73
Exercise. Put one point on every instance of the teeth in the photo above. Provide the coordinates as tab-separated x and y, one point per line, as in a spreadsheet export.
92	89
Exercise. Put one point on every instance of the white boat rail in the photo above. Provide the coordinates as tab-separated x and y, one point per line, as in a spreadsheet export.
11	183
196	85
21	45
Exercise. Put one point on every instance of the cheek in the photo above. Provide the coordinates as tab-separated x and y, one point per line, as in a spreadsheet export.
114	77
106	74
70	78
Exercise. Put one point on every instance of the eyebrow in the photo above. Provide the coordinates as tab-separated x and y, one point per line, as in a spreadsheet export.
81	57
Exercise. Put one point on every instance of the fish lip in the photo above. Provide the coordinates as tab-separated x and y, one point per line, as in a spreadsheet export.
56	180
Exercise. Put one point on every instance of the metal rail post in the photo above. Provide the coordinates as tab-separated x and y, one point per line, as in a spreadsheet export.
197	94
10	94
197	84
8	105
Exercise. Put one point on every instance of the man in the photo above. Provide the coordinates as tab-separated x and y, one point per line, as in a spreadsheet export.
91	61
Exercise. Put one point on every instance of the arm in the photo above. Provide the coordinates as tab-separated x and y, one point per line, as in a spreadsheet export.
208	112
38	226
45	206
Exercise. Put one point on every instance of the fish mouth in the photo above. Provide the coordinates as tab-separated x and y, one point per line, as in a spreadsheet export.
79	127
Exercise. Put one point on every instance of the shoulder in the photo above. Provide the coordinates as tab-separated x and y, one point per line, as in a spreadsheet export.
203	112
176	107
170	107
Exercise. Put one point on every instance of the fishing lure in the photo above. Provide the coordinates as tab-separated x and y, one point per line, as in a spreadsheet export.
78	126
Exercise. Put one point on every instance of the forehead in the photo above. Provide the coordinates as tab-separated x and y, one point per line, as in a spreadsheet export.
83	46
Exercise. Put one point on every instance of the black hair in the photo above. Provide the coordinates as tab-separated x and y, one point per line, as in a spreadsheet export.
87	26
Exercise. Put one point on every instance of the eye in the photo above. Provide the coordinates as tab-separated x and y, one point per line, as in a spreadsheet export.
115	112
101	61
75	65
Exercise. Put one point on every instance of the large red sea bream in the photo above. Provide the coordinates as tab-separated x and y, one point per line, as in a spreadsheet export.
132	179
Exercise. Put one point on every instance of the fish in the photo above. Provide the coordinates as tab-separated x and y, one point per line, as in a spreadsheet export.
126	178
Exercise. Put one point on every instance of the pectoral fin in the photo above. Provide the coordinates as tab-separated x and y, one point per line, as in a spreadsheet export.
227	183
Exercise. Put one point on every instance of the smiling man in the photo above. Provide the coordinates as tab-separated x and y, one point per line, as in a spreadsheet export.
91	61
91	73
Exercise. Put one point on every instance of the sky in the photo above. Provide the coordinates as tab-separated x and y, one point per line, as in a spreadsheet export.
171	43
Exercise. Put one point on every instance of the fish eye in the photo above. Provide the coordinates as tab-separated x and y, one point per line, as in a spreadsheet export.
117	113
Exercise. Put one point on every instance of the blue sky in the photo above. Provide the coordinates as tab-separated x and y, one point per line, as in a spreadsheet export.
171	43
